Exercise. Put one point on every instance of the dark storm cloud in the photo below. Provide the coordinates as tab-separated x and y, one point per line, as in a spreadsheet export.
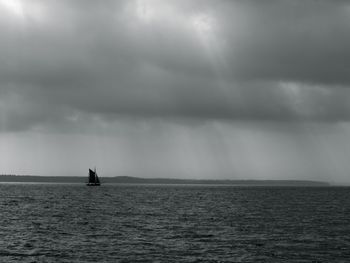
302	41
239	60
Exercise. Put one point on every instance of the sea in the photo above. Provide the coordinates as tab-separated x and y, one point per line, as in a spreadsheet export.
173	223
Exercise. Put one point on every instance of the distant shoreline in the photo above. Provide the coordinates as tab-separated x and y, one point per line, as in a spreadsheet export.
138	180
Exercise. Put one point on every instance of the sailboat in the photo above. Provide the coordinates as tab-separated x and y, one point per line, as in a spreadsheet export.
93	178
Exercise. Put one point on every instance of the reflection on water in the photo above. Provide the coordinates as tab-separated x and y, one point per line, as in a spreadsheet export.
111	223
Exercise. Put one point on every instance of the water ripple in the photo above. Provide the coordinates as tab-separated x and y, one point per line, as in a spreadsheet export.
111	223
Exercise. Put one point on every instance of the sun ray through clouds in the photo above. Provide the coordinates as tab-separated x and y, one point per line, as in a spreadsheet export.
25	12
15	7
207	28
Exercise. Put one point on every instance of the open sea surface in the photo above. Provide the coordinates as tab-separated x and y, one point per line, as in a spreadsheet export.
173	223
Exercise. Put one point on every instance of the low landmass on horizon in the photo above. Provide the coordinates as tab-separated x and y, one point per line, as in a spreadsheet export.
138	180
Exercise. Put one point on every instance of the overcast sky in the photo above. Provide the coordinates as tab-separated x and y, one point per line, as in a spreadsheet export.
176	88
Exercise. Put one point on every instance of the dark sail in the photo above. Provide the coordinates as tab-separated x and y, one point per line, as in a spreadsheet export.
93	178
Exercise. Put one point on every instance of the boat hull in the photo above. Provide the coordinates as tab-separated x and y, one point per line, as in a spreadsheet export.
93	184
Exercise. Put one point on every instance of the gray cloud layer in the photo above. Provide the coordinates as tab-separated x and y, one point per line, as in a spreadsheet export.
70	62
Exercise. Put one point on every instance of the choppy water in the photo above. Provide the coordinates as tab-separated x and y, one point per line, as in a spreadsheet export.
111	223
